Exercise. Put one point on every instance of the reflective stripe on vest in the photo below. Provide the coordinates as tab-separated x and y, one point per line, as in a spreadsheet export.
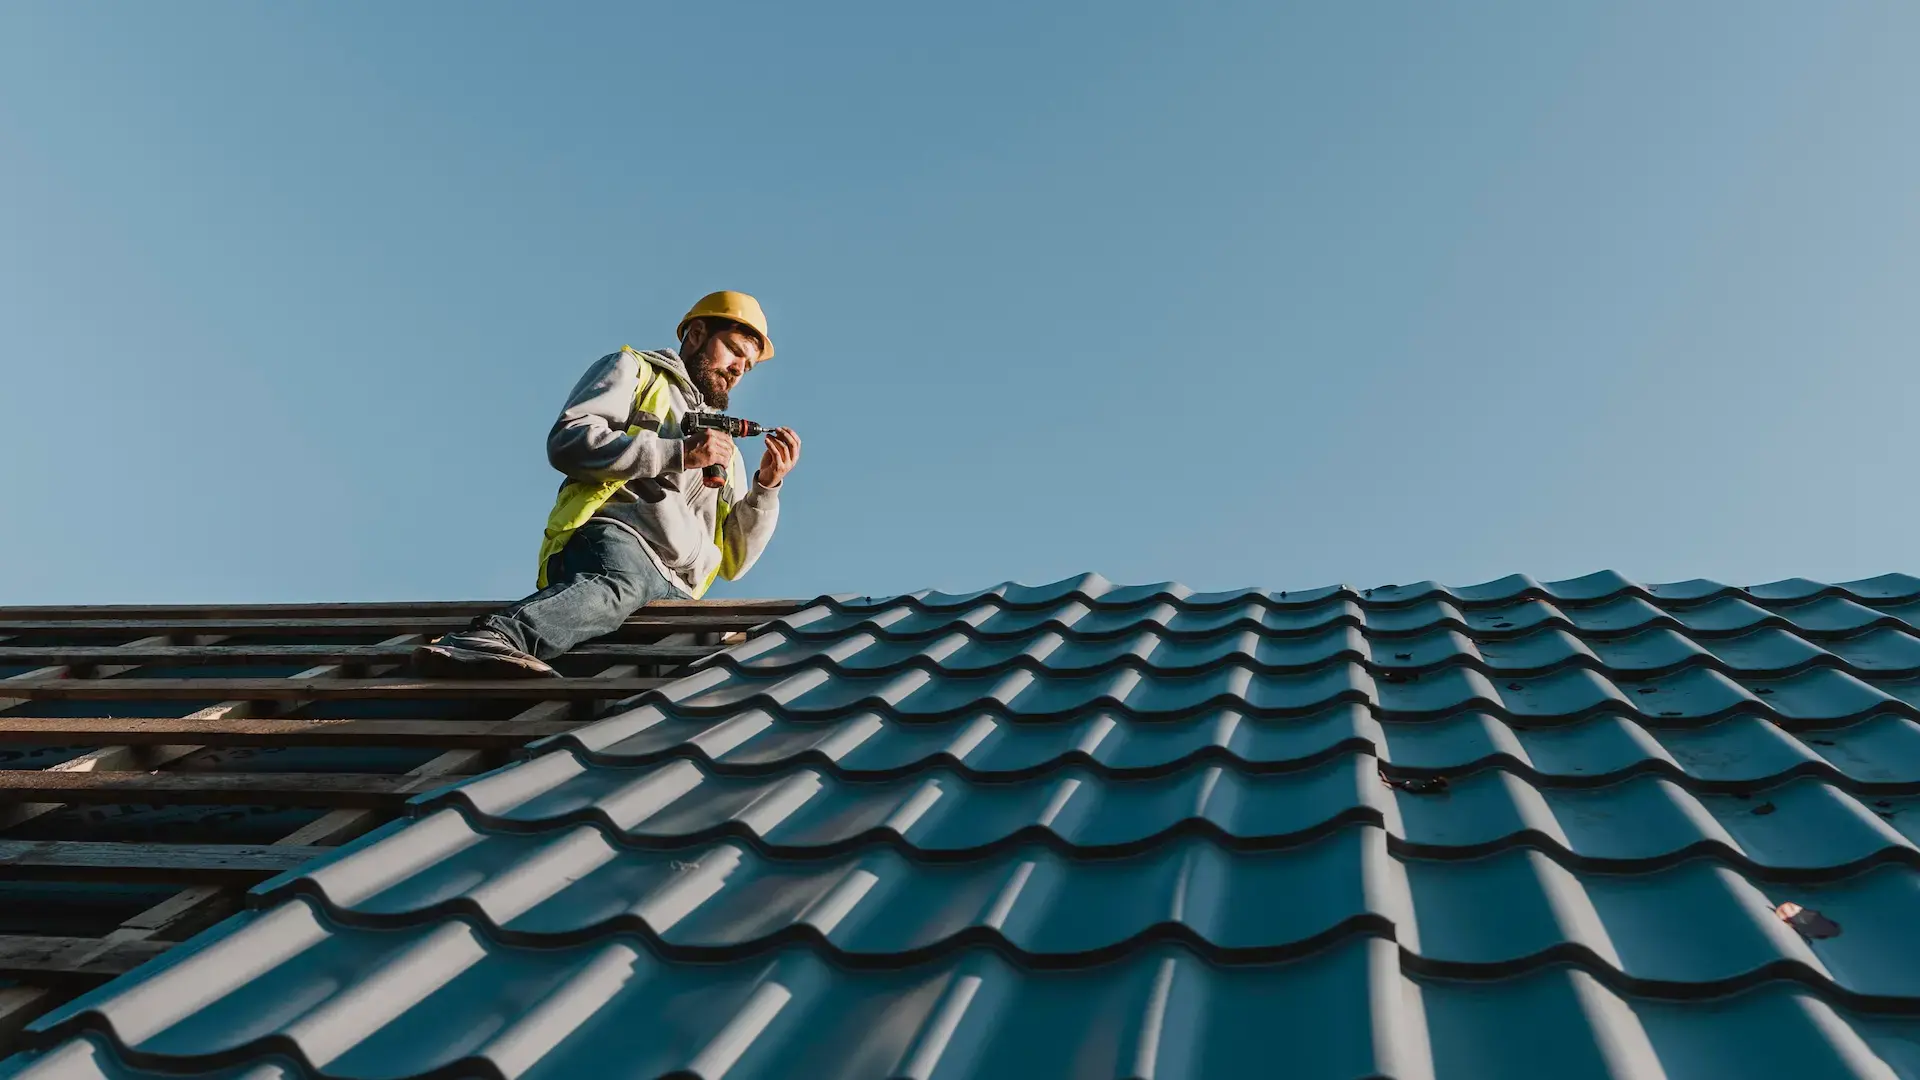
579	500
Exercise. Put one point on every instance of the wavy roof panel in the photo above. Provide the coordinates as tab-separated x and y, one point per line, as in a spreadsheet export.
1579	828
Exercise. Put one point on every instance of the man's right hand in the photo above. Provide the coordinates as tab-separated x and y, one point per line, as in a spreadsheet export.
706	447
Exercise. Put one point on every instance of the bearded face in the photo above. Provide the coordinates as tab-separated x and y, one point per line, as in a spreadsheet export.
712	380
718	360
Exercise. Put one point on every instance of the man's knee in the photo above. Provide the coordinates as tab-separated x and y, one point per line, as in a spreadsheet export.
617	565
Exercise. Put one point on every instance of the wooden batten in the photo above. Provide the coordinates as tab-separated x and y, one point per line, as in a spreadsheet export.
185	864
74	962
289	613
363	790
274	731
243	654
328	689
396	623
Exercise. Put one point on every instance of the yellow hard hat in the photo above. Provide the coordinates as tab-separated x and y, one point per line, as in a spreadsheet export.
737	306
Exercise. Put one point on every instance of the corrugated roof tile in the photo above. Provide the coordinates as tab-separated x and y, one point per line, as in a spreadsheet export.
1573	828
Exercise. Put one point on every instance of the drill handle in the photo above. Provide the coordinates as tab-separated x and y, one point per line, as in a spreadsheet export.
715	476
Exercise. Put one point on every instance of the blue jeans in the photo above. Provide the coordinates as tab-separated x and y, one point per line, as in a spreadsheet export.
602	576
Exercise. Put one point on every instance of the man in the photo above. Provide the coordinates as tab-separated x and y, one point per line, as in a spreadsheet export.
634	522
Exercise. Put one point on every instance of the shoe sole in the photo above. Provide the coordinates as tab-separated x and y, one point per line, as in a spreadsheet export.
453	662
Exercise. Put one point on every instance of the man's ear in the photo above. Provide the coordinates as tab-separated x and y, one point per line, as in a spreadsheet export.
696	336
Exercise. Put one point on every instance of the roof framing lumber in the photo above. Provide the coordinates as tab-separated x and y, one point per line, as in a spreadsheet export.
81	652
70	655
297	688
359	790
72	959
58	669
273	731
150	755
320	627
188	910
75	860
459	609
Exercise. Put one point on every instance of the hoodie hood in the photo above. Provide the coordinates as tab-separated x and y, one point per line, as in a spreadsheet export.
668	361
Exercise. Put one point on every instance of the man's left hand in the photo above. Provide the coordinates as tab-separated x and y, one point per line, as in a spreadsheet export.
779	458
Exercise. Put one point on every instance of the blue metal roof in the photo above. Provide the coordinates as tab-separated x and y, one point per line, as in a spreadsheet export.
1580	828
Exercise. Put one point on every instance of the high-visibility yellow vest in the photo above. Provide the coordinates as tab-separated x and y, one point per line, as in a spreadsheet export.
580	499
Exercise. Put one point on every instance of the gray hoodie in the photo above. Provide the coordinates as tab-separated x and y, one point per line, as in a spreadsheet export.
662	503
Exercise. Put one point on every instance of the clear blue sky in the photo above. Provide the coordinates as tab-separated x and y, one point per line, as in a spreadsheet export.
1272	293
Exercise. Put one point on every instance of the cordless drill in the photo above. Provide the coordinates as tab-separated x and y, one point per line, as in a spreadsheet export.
716	475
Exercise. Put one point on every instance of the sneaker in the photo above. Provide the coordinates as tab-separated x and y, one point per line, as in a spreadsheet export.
478	654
